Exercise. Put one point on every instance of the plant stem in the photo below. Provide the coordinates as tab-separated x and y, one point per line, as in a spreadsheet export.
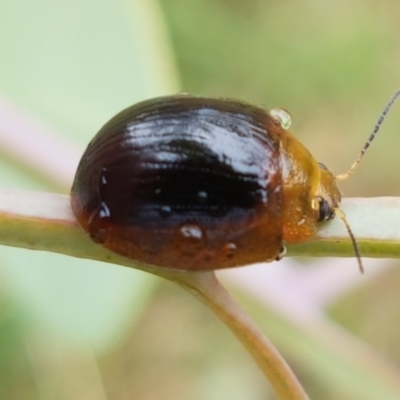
44	221
206	287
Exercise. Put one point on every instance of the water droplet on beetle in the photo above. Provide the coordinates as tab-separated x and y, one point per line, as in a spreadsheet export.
190	238
282	116
191	232
229	249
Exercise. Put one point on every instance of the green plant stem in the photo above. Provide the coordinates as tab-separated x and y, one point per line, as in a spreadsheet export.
43	221
206	287
375	225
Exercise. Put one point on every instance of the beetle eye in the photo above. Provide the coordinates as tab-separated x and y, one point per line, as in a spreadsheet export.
325	211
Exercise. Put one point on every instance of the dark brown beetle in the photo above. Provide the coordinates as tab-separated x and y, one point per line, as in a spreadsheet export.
196	183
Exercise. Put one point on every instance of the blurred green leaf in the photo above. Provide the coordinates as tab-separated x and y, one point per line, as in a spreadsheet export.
75	64
78	63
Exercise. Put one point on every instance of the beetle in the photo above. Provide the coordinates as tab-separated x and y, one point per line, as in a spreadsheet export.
198	183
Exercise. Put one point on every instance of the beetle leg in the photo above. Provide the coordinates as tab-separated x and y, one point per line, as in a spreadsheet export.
281	254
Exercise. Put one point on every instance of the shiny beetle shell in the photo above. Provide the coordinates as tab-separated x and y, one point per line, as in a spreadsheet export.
198	183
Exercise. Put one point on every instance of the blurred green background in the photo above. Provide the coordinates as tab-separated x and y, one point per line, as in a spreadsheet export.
73	329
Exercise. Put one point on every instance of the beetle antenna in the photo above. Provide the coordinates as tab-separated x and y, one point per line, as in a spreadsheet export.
340	214
342	177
